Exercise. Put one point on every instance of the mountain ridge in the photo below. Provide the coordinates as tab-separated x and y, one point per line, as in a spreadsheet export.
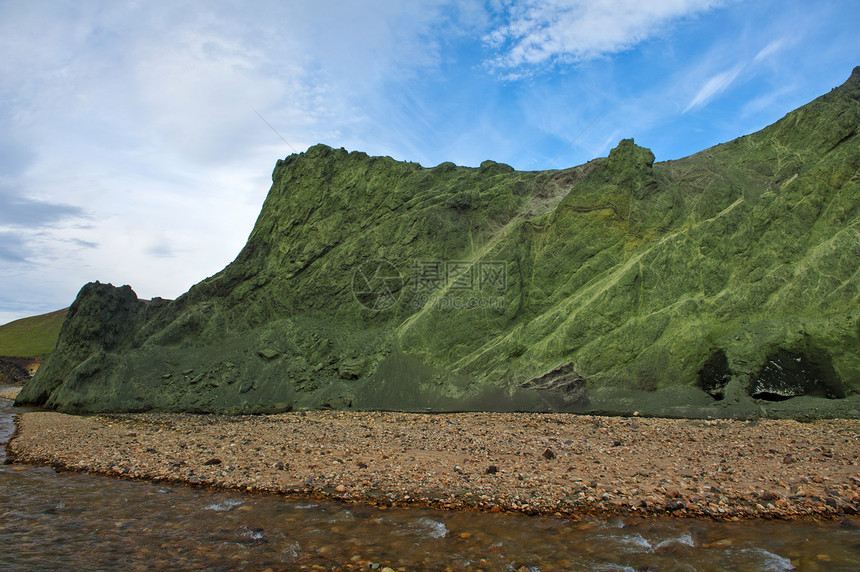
675	288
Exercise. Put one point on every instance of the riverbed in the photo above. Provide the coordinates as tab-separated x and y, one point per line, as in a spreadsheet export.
68	520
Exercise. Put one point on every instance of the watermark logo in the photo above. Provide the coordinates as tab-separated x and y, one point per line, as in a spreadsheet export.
481	276
445	284
377	285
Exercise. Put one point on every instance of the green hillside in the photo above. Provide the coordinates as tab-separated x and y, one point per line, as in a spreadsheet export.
31	337
726	283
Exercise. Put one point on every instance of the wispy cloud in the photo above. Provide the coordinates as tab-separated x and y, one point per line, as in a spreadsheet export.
22	211
714	86
161	250
719	82
543	32
84	243
12	247
769	50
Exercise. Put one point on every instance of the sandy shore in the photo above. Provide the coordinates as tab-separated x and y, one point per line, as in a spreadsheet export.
535	463
10	393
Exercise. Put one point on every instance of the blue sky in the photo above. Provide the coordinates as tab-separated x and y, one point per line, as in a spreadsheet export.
131	150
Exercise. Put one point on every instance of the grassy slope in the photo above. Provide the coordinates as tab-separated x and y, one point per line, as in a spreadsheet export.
31	337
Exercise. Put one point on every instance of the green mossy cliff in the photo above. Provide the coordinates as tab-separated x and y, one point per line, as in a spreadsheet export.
726	284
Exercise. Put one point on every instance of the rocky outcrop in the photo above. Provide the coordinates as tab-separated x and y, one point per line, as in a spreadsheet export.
677	288
14	371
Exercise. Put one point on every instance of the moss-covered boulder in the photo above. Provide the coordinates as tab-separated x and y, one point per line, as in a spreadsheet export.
726	284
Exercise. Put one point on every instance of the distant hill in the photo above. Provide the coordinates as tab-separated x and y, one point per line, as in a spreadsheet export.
31	337
723	284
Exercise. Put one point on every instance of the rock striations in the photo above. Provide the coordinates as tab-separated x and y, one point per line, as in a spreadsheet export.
725	284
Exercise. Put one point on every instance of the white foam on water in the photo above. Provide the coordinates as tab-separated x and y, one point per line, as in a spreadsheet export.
624	543
637	542
253	534
224	506
771	562
683	539
291	552
306	506
434	528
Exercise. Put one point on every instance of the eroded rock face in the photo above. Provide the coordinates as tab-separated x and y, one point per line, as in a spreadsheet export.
100	324
563	380
661	287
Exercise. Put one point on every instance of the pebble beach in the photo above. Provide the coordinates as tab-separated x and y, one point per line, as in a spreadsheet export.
550	464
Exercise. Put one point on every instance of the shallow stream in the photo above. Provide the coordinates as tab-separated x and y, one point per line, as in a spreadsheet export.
54	521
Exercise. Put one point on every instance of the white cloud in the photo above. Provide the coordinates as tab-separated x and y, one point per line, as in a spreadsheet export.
714	86
141	118
769	50
543	32
198	91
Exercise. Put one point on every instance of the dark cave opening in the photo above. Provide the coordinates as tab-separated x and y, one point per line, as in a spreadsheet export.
786	374
715	374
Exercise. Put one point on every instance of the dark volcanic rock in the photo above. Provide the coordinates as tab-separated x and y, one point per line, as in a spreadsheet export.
715	374
562	379
372	283
100	324
789	374
12	372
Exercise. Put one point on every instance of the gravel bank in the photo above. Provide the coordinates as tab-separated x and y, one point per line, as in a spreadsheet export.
10	393
534	463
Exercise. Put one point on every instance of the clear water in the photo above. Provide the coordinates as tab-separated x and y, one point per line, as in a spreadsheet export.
62	521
